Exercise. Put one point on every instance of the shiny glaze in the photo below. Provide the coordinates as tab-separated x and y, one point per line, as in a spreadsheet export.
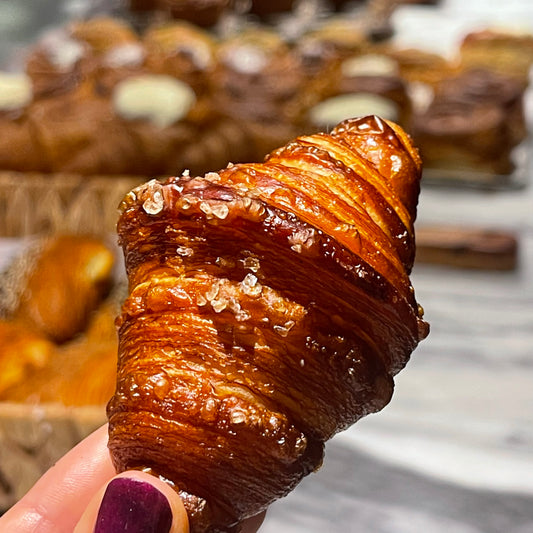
269	308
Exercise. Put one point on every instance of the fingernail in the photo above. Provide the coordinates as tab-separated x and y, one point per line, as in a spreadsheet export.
133	506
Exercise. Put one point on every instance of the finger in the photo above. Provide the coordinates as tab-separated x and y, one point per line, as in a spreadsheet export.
57	501
135	501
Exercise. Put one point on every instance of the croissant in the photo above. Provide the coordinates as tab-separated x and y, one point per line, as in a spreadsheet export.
269	308
69	278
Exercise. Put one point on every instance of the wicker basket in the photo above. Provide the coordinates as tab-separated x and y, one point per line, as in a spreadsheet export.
39	203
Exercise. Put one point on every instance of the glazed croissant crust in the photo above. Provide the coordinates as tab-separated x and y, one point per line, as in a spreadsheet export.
270	306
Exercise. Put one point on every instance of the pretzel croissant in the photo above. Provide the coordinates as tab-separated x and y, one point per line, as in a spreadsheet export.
270	307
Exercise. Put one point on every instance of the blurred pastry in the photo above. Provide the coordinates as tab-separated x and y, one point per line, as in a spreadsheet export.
483	86
338	35
58	340
116	47
259	81
363	84
80	372
119	63
501	50
18	151
421	66
72	56
201	13
464	136
82	134
23	351
267	8
67	281
59	63
183	51
467	247
474	122
319	58
174	129
102	33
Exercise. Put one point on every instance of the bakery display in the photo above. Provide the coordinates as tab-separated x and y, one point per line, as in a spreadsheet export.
173	95
269	307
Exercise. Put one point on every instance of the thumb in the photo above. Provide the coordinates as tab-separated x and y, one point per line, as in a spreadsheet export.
135	502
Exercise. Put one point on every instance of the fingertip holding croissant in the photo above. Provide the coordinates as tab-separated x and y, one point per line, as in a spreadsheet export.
270	307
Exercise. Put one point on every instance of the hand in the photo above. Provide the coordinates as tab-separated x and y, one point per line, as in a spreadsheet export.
83	493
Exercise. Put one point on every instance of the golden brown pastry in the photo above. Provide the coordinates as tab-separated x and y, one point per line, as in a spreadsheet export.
80	372
69	278
270	307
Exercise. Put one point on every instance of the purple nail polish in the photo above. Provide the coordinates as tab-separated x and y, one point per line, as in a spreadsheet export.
133	506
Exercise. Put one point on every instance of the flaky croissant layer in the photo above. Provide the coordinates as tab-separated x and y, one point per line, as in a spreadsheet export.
270	307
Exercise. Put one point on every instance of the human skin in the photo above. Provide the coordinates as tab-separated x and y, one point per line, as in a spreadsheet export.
67	497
